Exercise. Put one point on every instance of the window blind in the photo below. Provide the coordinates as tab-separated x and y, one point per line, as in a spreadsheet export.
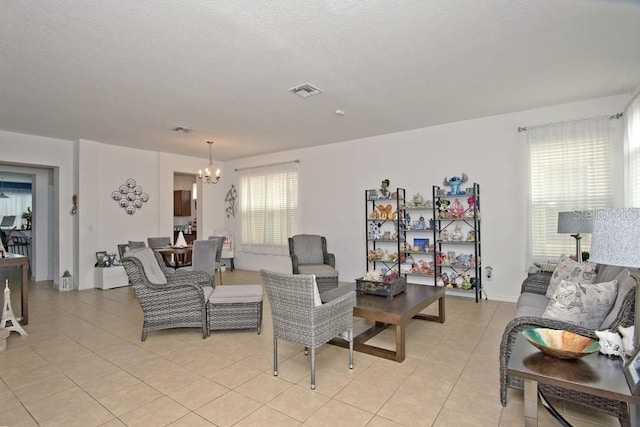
632	147
570	169
268	208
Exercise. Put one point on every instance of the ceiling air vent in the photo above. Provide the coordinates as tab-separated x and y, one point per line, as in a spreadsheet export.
305	90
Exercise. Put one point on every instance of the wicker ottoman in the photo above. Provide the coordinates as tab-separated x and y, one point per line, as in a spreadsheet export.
235	307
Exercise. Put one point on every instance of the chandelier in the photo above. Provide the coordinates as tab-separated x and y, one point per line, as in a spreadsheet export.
208	174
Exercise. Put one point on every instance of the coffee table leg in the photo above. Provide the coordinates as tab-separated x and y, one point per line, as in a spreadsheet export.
530	403
400	340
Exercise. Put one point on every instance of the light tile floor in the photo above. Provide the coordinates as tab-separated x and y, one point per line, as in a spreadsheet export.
83	364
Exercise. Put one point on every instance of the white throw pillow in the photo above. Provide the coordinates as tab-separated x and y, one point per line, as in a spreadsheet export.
316	294
582	304
571	271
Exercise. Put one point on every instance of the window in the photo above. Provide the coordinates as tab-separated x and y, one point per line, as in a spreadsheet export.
570	169
268	208
632	152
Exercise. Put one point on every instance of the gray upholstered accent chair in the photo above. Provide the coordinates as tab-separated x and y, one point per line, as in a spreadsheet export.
309	256
220	240
167	301
300	318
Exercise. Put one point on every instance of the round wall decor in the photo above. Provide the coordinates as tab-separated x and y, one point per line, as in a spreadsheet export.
130	196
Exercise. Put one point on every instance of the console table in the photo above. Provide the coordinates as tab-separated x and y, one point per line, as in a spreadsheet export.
592	374
21	261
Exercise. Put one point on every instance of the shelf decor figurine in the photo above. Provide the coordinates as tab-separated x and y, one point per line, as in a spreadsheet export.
455	182
384	189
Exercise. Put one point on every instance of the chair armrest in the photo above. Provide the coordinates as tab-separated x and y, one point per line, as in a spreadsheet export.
333	317
183	277
330	259
294	264
536	283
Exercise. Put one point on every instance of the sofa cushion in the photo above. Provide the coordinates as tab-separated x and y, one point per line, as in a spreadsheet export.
625	284
308	249
582	304
571	271
531	305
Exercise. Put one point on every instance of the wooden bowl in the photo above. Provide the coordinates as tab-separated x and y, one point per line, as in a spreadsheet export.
560	344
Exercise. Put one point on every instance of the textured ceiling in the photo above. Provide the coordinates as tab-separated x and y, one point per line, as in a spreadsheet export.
125	72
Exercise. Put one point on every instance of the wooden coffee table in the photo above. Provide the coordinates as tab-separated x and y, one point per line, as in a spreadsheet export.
386	312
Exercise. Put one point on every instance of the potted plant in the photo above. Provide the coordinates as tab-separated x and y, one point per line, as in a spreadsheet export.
223	266
26	215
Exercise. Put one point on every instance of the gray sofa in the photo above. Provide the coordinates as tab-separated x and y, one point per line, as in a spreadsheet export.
530	307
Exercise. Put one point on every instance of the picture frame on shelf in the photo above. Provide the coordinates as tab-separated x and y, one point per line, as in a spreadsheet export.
372	194
101	257
632	373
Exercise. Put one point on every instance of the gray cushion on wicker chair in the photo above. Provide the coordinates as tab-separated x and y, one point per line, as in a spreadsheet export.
298	320
179	302
151	268
309	256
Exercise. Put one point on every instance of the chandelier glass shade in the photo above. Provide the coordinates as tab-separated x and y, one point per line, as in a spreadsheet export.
210	175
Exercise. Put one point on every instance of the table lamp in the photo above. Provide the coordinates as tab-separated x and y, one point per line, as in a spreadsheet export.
616	241
574	223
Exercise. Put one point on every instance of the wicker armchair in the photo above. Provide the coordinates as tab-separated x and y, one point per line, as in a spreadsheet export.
309	256
167	301
297	319
538	284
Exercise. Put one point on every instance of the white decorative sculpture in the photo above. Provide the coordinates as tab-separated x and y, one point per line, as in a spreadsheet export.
7	313
180	241
628	349
610	343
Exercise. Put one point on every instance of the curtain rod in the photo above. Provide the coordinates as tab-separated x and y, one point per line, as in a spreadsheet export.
270	164
615	116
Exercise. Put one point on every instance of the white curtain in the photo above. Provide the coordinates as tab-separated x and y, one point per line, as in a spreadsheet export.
570	168
631	126
18	202
268	208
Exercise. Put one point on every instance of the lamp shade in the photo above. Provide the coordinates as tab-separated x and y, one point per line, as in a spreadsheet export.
616	237
575	222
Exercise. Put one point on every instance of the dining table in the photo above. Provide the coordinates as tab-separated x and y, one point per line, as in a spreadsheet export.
176	256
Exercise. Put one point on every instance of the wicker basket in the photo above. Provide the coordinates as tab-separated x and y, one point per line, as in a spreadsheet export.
388	289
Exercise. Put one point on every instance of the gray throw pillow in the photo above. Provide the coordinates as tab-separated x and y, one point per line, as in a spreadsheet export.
582	304
571	271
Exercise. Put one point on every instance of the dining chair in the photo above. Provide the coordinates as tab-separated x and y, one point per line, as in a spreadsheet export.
300	317
220	240
203	258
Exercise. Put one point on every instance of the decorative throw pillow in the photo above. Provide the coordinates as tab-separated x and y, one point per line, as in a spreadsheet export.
571	271
582	304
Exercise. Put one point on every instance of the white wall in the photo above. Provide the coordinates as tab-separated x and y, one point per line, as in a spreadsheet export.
103	223
332	183
333	179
